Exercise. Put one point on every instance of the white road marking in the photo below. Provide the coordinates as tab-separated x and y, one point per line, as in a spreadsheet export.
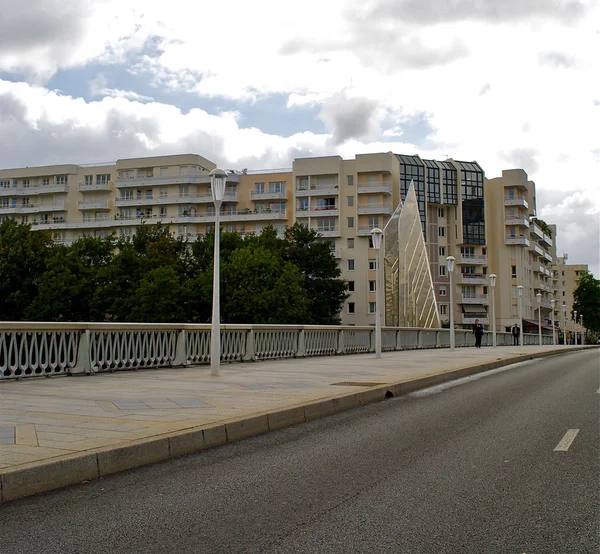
436	389
566	441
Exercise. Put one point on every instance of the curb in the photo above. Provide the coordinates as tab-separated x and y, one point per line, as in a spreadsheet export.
39	477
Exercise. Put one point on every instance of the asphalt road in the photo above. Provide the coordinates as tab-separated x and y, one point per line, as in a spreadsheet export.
466	467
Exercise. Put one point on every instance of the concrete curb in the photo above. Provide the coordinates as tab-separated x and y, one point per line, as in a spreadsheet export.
39	477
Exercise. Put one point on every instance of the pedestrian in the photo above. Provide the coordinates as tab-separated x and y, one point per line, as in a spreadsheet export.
516	331
478	332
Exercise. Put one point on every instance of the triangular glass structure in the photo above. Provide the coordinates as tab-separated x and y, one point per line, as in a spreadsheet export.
409	292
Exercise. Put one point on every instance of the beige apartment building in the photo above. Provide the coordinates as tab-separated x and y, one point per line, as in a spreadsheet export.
491	231
567	278
523	252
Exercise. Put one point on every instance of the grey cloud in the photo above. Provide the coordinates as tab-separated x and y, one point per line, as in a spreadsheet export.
431	12
485	89
557	59
349	117
523	158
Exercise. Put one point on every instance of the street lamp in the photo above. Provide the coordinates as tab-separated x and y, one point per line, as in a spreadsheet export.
493	285
564	324
520	291
218	179
553	302
376	236
451	261
538	297
575	327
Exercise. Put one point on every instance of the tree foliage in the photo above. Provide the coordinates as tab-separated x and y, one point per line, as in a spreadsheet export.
154	277
586	300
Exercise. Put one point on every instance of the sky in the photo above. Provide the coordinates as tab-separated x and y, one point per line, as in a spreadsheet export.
508	83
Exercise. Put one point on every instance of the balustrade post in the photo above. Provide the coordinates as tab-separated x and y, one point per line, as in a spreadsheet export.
340	348
181	358
438	340
250	347
419	339
83	364
398	339
301	352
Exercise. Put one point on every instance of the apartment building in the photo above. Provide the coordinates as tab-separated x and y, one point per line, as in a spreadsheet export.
524	252
566	279
341	199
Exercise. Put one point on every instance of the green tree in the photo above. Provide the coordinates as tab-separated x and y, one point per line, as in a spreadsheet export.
23	256
586	300
158	298
324	289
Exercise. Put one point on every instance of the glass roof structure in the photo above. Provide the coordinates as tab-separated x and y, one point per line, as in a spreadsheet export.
409	292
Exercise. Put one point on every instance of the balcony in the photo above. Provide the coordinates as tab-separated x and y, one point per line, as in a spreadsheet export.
329	211
327	231
537	249
365	230
548	257
516	185
93	187
318	190
34	190
536	230
516	201
125	182
374	209
519	240
517	221
257	196
473	279
173	199
474	300
34	208
374	187
473	260
547	240
93	205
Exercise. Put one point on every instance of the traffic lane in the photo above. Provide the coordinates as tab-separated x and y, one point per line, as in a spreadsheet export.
249	495
497	486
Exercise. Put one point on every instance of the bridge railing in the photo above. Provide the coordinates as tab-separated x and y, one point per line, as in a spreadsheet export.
33	349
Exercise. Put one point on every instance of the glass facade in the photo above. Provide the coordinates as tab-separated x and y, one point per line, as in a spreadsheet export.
449	183
473	209
412	169
409	292
433	182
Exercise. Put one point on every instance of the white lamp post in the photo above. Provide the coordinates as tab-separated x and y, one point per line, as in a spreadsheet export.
564	324
538	297
218	179
451	261
553	302
575	327
520	291
493	285
376	236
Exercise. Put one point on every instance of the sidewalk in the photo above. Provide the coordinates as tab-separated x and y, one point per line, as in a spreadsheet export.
65	430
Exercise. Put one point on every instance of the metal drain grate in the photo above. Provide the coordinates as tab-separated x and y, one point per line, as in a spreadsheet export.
357	384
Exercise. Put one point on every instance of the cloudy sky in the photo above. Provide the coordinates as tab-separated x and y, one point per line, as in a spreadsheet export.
509	83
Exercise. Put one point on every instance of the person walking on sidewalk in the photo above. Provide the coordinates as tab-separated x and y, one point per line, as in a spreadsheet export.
516	331
478	332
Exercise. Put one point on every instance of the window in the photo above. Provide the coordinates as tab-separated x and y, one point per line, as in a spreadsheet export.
484	251
563	293
350	243
61	179
372	286
372	308
277	186
485	270
351	307
441	212
442	250
443	309
162	211
443	291
126	195
302	183
102	179
350	222
443	270
4	184
164	171
303	204
485	290
24	219
350	265
26	183
563	273
163	193
350	180
372	264
441	231
259	188
350	200
88	179
350	286
373	222
231	228
149	194
45	181
277	207
183	190
513	271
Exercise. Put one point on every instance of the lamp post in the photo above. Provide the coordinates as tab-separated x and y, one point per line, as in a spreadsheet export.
564	324
451	261
520	291
575	326
493	285
553	302
538	297
376	236
218	179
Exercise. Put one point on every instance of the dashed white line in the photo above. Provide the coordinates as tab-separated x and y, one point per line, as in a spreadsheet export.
566	441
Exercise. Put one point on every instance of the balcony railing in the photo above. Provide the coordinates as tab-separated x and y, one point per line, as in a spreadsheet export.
374	209
93	205
374	187
518	221
268	195
520	240
516	201
475	260
83	187
474	278
474	300
34	190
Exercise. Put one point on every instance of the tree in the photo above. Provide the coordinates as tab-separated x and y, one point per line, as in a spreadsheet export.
324	289
157	298
586	300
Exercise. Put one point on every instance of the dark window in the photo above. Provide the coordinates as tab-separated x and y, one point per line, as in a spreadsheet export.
449	183
433	182
513	271
413	170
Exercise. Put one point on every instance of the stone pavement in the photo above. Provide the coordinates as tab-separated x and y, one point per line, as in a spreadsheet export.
63	430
